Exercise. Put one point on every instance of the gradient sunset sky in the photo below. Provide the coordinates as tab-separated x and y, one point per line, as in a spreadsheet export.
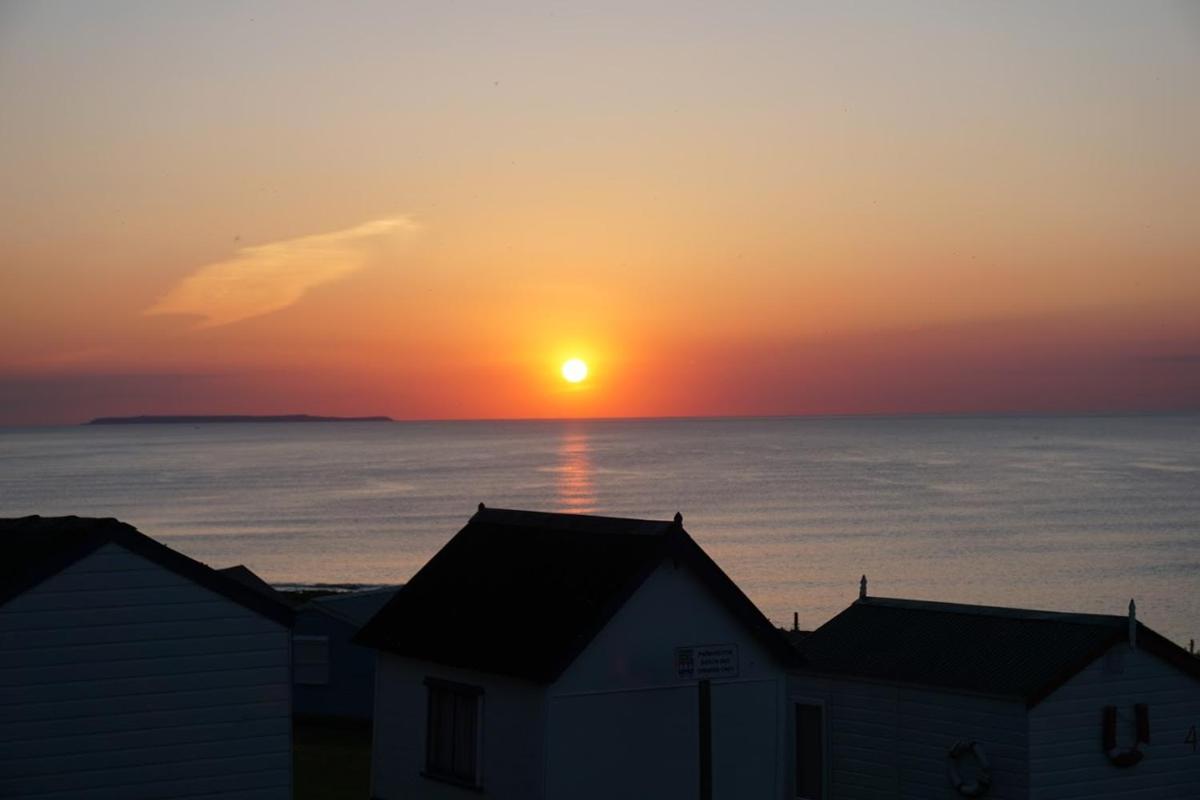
423	209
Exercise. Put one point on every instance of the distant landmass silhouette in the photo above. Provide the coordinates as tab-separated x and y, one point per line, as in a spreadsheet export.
147	419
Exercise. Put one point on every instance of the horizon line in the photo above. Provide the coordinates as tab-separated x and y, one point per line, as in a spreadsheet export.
669	417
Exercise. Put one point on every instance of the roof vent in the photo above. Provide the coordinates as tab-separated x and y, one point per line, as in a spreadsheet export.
482	506
862	588
678	518
1132	623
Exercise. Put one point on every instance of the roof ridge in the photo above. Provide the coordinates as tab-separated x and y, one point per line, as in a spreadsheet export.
489	510
1027	614
543	585
574	522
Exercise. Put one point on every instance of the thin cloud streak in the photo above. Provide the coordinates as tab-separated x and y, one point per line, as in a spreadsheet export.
273	276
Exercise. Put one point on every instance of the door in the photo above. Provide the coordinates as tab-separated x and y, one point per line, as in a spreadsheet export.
810	743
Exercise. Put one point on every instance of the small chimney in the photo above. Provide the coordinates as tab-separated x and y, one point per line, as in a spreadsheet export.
795	620
1132	623
678	518
862	588
481	506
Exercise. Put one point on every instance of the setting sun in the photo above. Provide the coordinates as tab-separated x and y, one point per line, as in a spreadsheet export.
574	370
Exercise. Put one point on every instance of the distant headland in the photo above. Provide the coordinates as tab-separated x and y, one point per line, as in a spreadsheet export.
207	418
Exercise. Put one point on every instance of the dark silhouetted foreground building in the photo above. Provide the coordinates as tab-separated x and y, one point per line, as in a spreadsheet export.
563	656
924	700
128	670
572	657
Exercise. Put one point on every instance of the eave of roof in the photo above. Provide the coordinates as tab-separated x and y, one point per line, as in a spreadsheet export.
332	605
1109	631
250	579
83	535
670	541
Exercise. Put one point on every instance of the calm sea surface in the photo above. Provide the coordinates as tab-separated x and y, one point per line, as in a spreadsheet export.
1075	513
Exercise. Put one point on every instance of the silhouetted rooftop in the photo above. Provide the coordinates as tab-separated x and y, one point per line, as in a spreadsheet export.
34	548
522	593
355	608
248	578
1010	652
794	636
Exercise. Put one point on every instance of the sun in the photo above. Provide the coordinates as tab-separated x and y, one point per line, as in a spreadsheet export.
574	370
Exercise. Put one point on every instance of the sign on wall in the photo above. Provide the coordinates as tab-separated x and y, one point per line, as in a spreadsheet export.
706	661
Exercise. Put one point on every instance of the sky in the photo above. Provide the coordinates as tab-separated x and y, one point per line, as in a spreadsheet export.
423	209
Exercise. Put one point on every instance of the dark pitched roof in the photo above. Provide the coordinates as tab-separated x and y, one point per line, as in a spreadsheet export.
1010	652
355	608
34	548
248	578
795	637
522	593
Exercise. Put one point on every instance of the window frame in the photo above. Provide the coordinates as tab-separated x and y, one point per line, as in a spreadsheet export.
459	690
296	671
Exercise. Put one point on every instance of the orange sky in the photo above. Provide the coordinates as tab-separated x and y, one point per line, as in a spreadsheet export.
422	211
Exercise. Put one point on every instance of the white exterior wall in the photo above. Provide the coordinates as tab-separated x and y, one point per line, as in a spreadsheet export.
886	741
622	724
512	726
1065	733
617	724
121	679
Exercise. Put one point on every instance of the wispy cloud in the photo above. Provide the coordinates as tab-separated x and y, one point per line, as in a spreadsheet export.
268	277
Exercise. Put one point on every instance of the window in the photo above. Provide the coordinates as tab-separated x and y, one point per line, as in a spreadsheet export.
453	732
810	751
310	660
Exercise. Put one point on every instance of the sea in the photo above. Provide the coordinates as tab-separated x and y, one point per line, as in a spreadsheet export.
1073	513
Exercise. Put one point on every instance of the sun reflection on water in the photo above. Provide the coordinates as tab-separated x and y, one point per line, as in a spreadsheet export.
576	491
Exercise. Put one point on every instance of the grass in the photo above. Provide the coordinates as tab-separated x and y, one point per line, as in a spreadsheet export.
331	759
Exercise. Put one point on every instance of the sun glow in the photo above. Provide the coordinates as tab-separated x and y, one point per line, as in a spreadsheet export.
574	370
